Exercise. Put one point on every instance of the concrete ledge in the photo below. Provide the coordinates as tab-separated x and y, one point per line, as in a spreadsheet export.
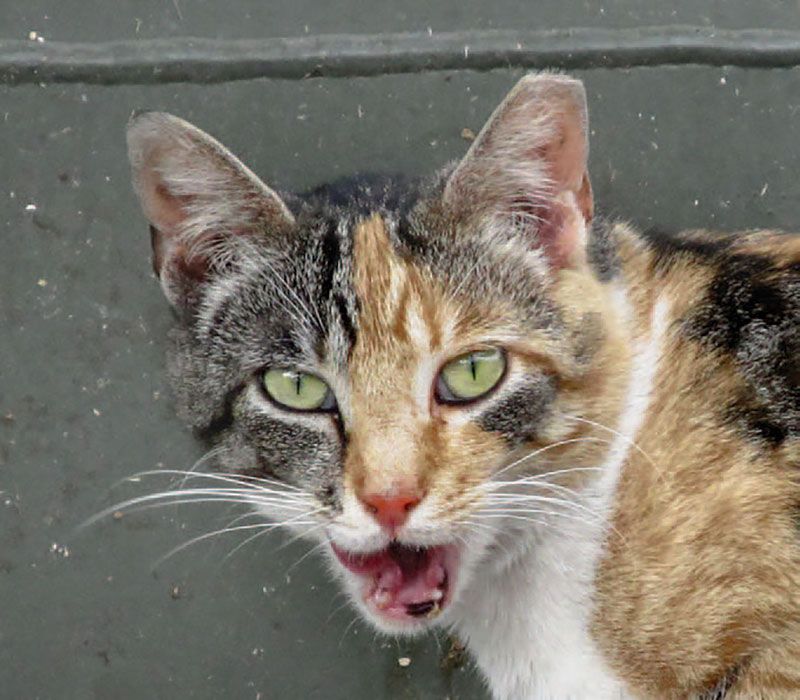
197	60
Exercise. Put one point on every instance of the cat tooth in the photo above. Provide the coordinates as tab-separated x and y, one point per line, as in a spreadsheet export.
433	612
382	599
437	595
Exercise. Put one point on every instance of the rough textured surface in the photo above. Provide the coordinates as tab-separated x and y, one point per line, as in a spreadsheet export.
83	401
77	20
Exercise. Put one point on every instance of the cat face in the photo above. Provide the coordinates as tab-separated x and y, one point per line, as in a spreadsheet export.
394	372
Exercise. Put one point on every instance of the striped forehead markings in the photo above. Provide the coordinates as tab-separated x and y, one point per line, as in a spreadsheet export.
378	278
394	294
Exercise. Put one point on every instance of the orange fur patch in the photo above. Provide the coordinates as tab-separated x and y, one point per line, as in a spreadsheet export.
397	441
706	576
400	439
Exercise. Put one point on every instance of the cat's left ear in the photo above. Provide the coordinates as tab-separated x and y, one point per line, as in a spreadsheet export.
528	168
201	201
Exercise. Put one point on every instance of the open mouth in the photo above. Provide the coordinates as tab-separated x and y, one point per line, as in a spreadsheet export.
404	582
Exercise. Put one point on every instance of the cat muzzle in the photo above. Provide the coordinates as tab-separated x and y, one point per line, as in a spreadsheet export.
403	583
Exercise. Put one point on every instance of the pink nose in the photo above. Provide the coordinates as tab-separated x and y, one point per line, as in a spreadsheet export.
391	511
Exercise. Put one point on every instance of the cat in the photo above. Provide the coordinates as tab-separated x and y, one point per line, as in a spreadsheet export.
573	443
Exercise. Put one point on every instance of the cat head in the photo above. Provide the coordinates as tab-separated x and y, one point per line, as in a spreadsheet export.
411	376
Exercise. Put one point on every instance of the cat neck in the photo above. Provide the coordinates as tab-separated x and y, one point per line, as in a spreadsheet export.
528	620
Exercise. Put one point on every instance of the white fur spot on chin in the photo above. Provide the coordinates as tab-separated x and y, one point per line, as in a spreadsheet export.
528	625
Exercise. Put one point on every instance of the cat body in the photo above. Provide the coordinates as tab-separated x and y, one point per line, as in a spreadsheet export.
573	443
693	558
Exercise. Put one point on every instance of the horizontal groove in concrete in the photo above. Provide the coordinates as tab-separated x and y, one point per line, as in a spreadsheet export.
197	60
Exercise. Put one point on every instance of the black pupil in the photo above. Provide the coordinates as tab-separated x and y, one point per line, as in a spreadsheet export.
473	367
298	380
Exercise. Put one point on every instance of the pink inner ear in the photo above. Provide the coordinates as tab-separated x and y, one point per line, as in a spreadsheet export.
571	197
167	212
566	154
531	160
566	157
558	221
559	234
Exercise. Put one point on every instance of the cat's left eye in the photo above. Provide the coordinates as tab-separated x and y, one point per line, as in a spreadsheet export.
470	376
298	391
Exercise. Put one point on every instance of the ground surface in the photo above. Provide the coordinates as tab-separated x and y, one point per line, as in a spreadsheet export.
83	400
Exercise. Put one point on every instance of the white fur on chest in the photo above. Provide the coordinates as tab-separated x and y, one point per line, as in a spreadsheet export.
527	624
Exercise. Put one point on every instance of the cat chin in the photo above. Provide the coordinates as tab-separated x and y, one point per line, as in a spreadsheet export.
398	628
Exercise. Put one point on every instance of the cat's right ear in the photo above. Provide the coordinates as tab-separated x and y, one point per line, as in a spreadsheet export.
201	201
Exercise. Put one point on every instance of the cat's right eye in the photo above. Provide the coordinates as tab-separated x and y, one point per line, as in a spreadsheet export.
298	391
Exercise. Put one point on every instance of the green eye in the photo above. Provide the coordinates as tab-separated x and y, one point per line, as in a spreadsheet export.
298	390
470	376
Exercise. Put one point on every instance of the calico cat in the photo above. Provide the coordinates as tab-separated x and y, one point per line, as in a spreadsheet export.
573	443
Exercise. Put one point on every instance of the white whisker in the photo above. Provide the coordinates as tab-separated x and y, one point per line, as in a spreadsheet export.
560	443
519	510
224	477
247	496
494	515
265	527
293	298
616	433
282	485
520	499
471	525
347	629
534	477
338	607
313	550
193	501
294	539
258	534
211	454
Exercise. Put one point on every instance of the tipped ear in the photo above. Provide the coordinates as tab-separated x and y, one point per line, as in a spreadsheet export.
528	168
201	201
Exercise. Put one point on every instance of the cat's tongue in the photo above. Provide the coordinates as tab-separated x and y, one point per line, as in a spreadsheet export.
402	581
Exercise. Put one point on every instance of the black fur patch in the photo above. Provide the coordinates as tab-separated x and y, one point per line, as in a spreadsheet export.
752	314
363	195
739	296
223	421
345	318
282	446
410	242
331	255
519	415
725	684
601	250
668	246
